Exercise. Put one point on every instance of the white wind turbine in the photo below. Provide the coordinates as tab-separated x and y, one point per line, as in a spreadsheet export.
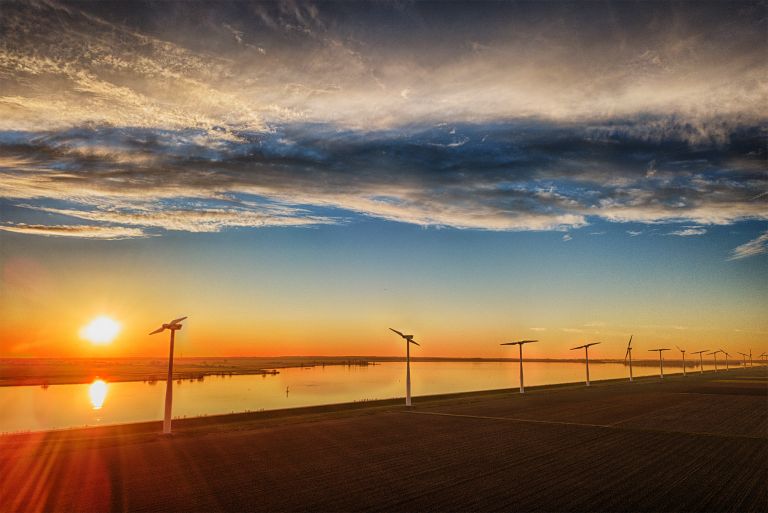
726	358
682	351
408	341
628	355
520	344
586	354
661	360
701	358
714	353
172	326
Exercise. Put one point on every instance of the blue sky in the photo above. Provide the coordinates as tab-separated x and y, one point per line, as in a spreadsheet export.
574	169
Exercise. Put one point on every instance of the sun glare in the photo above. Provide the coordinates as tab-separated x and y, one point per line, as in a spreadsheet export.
100	331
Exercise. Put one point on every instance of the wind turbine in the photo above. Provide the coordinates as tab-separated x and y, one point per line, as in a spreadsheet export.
745	358
172	326
750	357
764	356
628	354
408	341
701	358
520	343
586	353
726	358
714	353
661	360
682	351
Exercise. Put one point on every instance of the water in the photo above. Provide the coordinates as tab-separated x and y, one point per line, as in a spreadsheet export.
33	408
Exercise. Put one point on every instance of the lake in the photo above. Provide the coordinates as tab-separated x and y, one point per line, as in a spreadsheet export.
30	408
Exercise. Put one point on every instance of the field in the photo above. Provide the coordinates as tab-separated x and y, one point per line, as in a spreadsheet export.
685	444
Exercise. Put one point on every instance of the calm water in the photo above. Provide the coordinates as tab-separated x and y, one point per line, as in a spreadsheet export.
62	406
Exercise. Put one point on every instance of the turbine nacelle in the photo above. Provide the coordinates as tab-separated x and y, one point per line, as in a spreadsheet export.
519	342
408	338
174	325
585	345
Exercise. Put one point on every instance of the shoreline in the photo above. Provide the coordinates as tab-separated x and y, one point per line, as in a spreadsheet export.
373	405
47	372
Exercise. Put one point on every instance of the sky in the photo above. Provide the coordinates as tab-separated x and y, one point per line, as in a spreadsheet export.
297	177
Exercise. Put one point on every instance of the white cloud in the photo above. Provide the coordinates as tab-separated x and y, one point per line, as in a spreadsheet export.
689	231
757	246
79	231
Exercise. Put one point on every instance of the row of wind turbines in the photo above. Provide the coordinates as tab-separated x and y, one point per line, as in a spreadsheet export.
175	325
627	358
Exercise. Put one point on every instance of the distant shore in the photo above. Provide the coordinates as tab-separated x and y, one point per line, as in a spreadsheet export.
57	371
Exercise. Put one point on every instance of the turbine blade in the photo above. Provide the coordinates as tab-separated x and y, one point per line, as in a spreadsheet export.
176	321
414	342
397	332
630	341
158	330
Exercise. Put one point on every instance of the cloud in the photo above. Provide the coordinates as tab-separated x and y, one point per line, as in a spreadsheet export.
567	237
79	231
757	246
689	231
634	233
526	175
302	115
538	329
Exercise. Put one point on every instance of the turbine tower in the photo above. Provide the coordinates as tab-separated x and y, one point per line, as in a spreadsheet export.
408	341
701	358
628	354
586	354
714	353
520	344
172	326
661	360
682	351
726	358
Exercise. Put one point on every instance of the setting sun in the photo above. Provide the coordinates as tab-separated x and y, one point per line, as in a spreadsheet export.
100	331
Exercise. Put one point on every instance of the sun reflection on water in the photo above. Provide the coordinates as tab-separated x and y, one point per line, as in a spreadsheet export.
98	393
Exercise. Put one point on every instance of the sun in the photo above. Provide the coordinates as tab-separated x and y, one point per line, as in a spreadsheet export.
100	331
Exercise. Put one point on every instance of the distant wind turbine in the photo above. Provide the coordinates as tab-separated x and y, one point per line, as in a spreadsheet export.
586	354
745	358
714	353
701	358
764	356
750	357
661	360
408	341
172	326
682	351
726	358
520	344
628	354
